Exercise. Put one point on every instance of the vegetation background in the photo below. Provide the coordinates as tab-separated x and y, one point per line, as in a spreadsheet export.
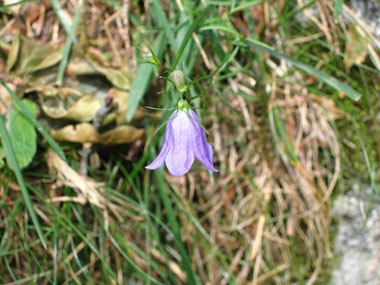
287	91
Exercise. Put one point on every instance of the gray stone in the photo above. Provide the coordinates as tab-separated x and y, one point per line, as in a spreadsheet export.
357	242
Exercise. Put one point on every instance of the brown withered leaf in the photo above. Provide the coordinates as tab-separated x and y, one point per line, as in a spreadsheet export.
67	103
79	65
120	78
13	52
86	133
121	99
48	90
27	56
87	189
356	46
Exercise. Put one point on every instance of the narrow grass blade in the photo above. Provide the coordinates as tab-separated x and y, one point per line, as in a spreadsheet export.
3	8
11	158
192	29
191	278
337	9
62	18
68	44
279	124
164	24
37	125
366	154
333	82
142	79
224	100
243	6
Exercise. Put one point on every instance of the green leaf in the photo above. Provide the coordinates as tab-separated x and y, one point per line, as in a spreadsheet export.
221	27
11	159
22	134
164	24
337	9
37	125
69	41
62	17
243	6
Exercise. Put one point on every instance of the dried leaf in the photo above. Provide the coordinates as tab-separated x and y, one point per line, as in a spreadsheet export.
121	134
356	46
119	78
86	133
121	98
81	133
29	56
70	107
86	188
79	65
14	51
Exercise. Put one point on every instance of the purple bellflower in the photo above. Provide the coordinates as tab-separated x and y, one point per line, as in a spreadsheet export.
184	140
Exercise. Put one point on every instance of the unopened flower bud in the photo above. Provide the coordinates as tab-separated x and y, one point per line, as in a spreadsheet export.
178	79
150	57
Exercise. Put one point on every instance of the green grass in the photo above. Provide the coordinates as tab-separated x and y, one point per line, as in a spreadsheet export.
280	117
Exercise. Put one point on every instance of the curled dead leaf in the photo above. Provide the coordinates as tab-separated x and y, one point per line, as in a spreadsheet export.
357	44
87	189
120	78
86	133
82	110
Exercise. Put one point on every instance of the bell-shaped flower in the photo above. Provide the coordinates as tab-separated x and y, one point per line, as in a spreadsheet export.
184	140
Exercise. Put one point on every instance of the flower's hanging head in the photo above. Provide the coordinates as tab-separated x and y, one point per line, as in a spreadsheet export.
184	137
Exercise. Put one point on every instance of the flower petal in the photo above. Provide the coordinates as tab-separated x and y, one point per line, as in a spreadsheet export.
180	157
202	149
160	159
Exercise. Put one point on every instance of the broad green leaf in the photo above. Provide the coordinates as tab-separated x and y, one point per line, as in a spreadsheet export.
22	134
12	161
34	121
